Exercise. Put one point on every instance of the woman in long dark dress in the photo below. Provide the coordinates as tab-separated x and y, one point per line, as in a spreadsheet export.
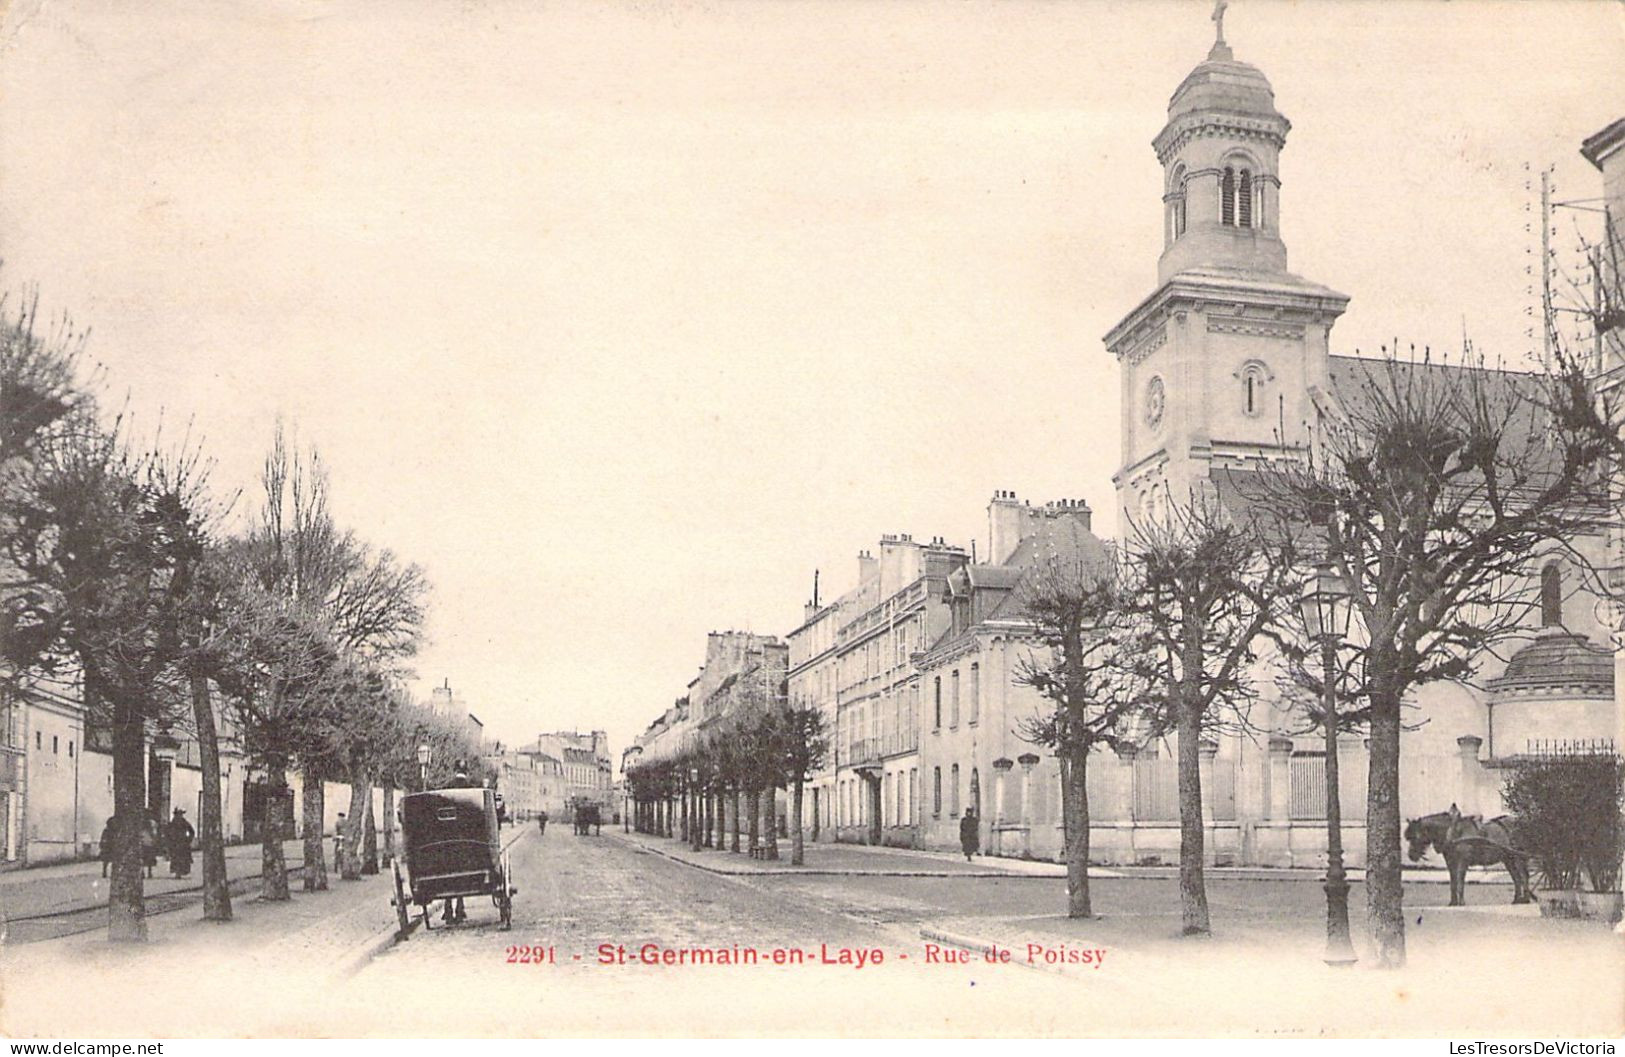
178	838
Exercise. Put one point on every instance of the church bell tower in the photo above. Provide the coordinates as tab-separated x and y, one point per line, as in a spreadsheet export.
1221	362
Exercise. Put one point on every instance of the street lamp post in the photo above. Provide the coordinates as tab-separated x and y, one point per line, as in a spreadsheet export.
424	755
1326	612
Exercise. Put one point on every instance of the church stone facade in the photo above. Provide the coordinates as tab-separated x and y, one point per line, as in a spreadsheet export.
1222	367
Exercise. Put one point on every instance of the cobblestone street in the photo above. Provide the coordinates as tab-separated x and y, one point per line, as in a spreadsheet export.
602	923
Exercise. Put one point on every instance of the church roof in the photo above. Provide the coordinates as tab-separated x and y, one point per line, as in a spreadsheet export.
1558	660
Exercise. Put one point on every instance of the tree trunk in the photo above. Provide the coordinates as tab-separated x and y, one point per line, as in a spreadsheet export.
1075	824
315	806
126	905
1384	891
278	818
369	839
753	807
1192	888
349	863
682	818
770	825
211	834
733	791
797	844
389	823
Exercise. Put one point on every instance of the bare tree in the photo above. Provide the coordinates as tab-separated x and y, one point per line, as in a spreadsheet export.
1208	583
111	536
1434	486
1082	615
804	745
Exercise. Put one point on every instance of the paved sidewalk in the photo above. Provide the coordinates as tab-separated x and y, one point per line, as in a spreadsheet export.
77	886
824	859
191	969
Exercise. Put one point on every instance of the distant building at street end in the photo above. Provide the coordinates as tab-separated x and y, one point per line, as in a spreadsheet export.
586	767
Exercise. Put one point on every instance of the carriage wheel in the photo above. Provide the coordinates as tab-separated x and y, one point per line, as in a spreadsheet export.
400	900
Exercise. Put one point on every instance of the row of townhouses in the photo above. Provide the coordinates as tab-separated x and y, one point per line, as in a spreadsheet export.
914	667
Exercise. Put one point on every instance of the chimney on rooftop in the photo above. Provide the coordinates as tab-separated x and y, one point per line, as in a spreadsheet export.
1007	521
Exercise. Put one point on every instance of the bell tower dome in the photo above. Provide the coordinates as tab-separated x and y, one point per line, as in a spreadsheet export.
1220	364
1220	153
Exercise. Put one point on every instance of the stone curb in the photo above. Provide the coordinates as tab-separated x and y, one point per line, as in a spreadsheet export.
356	958
813	871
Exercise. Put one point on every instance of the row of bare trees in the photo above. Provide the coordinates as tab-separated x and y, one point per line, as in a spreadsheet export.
124	567
1434	491
730	772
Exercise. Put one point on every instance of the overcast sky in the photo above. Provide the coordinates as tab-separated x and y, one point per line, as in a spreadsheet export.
621	319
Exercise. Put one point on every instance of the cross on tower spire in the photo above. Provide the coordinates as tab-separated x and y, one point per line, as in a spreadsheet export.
1220	50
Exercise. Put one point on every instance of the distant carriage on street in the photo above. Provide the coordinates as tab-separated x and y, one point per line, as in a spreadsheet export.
587	814
453	849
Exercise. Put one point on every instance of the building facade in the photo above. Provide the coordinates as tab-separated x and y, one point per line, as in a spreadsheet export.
854	662
586	771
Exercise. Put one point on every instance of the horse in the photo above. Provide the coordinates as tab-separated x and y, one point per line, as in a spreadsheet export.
1467	840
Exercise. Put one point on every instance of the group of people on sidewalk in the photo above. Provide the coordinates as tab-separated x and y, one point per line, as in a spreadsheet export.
175	839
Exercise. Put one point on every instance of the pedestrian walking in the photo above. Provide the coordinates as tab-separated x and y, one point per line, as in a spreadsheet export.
338	843
152	838
178	840
109	834
541	821
970	837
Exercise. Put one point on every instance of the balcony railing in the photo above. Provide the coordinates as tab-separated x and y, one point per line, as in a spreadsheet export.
872	750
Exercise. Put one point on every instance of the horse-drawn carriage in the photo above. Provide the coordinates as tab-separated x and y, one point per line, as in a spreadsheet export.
453	849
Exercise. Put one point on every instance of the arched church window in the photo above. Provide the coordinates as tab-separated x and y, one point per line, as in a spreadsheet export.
1551	595
1227	197
1244	200
1252	389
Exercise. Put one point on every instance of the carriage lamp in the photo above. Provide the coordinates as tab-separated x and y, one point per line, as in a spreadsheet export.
1326	611
424	753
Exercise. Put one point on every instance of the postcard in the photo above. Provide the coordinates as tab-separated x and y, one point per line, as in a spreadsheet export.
823	519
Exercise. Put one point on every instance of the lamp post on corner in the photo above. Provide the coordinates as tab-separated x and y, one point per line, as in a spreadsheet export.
1326	610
